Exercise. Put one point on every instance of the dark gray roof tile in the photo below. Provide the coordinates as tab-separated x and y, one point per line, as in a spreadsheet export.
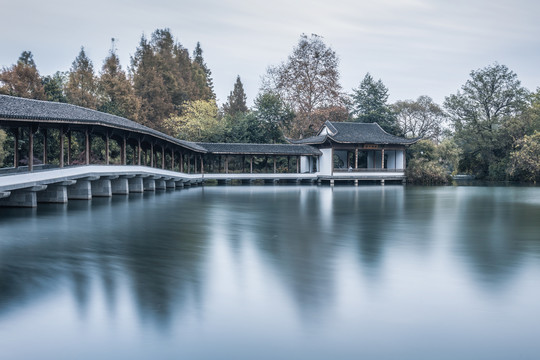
29	109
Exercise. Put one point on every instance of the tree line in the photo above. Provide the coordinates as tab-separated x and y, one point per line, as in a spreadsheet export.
490	128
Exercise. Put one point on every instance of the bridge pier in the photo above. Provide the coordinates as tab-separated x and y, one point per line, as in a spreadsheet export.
22	198
135	185
82	189
160	184
102	187
149	184
55	193
170	184
120	186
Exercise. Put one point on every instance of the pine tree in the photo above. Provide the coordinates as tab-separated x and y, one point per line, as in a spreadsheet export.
155	102
54	86
22	79
81	87
370	105
116	95
236	101
202	75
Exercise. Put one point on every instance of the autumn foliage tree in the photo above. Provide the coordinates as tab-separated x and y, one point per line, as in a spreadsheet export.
81	88
308	80
22	79
116	95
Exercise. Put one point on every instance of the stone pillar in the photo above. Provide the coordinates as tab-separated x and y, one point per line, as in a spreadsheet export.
136	185
82	190
149	184
171	184
55	193
120	186
160	184
22	198
102	187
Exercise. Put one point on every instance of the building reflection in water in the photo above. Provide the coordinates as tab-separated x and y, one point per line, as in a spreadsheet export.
164	248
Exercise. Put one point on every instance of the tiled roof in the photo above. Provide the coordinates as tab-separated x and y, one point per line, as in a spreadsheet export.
29	109
356	133
260	149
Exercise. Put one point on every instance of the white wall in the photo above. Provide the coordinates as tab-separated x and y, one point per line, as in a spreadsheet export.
325	162
400	159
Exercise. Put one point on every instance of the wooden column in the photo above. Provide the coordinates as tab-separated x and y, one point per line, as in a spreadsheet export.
251	165
151	154
172	160
195	164
69	148
30	149
181	162
87	146
226	164
107	161
202	164
16	148
139	152
298	164
124	150
275	167
189	164
288	164
162	157
382	159
44	131
61	147
356	158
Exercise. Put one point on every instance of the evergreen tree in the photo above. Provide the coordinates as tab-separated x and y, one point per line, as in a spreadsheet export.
202	75
236	101
22	79
116	94
165	79
54	86
155	102
81	87
370	105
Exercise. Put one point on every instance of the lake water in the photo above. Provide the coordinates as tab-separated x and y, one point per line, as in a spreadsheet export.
275	272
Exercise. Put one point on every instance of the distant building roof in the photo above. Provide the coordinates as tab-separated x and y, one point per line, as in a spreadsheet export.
354	133
29	109
260	149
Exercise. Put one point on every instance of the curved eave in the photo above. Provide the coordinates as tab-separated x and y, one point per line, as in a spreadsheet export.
407	142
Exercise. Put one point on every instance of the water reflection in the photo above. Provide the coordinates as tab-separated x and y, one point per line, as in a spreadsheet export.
218	252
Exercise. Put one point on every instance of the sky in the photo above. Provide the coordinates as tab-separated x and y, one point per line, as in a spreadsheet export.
416	47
